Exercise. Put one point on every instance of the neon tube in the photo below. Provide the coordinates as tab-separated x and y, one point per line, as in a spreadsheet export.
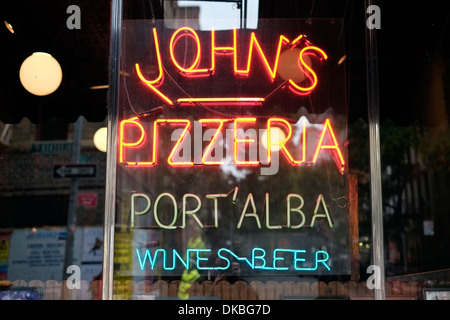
333	147
158	81
192	34
224	100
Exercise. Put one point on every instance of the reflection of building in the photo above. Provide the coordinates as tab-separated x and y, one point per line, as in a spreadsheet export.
416	190
39	189
33	193
181	16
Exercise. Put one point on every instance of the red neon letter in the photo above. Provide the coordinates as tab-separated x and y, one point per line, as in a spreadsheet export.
244	141
213	140
333	147
177	146
152	84
134	145
188	32
282	143
254	43
309	73
221	50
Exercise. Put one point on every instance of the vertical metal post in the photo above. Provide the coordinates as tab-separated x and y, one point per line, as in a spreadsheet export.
241	13
244	8
375	158
72	212
111	158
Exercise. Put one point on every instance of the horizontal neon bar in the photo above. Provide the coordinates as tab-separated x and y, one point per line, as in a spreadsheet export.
222	100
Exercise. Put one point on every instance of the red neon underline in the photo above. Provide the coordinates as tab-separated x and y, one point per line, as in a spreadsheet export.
191	101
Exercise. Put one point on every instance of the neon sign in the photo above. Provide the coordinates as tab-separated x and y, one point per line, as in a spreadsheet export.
241	145
258	259
294	205
226	113
308	51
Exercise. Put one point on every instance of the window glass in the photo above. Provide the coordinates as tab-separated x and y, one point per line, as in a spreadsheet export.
232	158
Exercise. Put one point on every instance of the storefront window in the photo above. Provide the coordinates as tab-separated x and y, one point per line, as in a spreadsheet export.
239	156
231	153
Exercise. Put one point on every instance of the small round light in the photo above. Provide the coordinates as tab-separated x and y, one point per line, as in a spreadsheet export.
276	136
40	74
289	65
100	139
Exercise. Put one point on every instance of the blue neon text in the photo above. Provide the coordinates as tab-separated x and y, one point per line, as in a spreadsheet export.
280	259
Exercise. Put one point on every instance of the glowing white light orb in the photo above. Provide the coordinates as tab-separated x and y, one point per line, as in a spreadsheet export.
40	74
276	136
100	139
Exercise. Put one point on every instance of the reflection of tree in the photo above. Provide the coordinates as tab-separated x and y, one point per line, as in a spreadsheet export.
415	184
435	149
358	161
399	169
395	146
